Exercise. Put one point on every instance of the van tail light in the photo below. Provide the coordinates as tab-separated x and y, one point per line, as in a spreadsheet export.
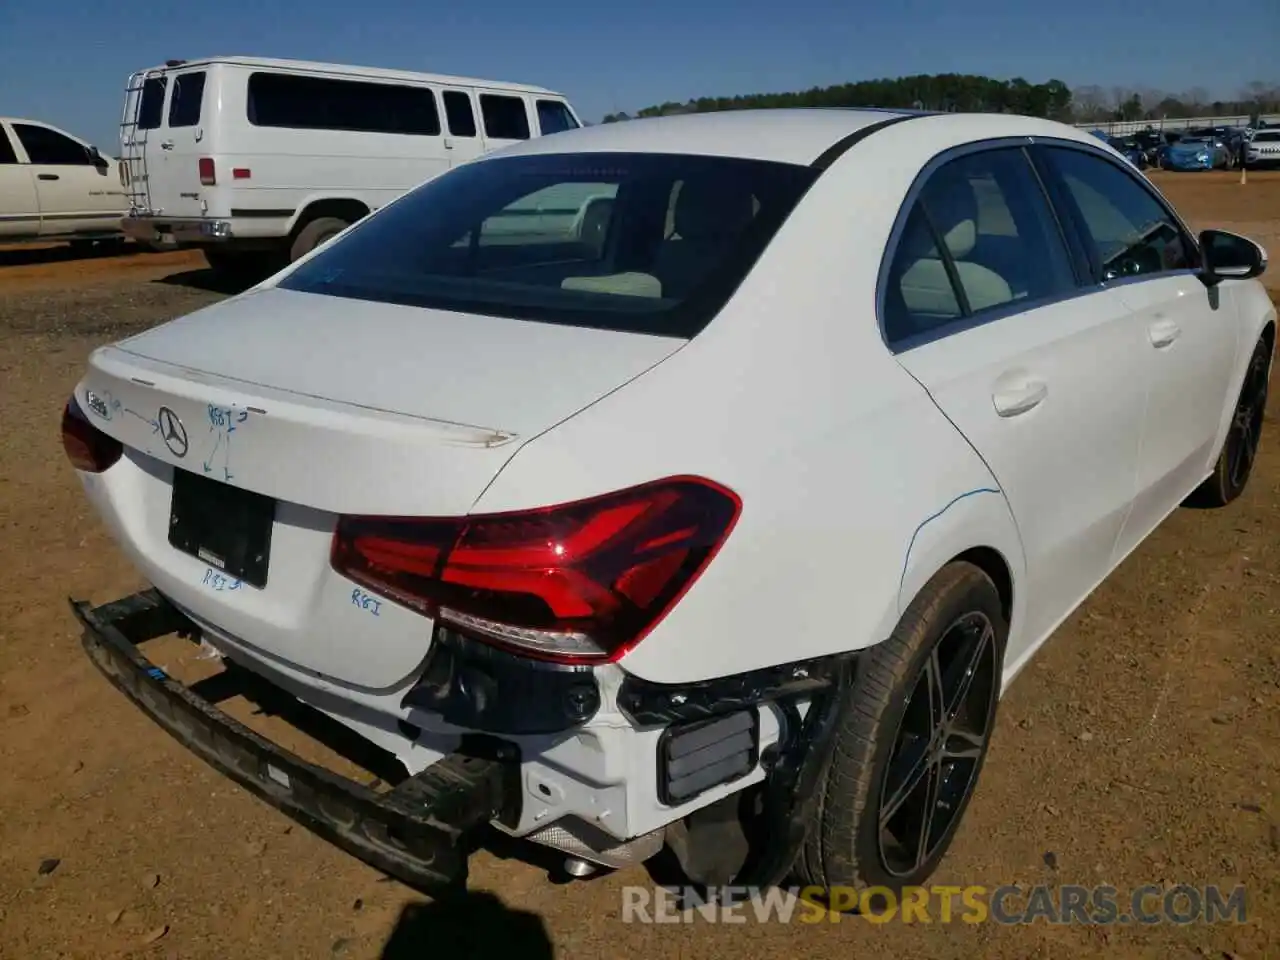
208	176
578	582
87	447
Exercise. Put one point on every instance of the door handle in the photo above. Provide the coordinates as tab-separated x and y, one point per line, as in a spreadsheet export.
47	176
1163	333
1018	398
166	145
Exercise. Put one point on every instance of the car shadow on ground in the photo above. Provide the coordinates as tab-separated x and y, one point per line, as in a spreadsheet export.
205	280
468	925
23	256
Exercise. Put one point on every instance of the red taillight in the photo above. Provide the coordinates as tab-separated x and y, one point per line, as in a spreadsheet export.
208	177
582	581
87	447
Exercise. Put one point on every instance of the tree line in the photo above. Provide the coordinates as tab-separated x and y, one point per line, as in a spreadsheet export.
970	93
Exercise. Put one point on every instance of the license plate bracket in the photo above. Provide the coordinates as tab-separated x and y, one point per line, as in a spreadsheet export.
225	526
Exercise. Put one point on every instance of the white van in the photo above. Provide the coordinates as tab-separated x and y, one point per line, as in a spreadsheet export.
257	162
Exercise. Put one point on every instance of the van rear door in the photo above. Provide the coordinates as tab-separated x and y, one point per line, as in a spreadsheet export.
144	103
173	151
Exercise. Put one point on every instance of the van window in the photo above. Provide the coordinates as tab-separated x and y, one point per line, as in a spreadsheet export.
505	118
188	94
321	103
554	116
7	154
574	239
462	118
151	109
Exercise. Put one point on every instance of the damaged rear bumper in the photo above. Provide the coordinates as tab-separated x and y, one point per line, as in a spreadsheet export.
417	832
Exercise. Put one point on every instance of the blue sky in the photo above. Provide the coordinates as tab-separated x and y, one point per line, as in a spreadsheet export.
66	62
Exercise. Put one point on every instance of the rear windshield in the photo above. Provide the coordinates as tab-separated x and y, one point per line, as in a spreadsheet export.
1269	136
646	243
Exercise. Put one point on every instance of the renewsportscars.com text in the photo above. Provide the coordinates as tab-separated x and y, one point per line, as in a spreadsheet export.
1148	904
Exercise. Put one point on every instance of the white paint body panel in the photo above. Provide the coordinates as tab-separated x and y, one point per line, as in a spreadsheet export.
861	472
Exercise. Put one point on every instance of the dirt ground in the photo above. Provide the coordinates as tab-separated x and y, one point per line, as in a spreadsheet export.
1142	746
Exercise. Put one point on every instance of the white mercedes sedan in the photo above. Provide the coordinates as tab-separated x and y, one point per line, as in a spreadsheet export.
695	483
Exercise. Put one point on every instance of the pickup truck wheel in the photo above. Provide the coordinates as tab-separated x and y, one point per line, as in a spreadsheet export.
315	233
1234	466
910	748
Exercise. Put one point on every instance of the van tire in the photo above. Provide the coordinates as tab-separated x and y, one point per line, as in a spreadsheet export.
315	233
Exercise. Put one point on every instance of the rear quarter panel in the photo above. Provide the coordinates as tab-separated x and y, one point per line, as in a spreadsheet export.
855	488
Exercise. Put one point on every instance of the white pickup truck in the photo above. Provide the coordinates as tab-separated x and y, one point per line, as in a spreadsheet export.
55	186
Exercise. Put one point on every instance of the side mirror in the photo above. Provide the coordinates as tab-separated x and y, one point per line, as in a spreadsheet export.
95	156
1229	256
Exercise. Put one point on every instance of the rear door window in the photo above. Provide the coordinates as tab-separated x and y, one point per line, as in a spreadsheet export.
188	95
151	109
980	239
554	116
505	118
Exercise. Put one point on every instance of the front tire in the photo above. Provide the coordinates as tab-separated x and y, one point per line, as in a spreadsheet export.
1234	466
911	745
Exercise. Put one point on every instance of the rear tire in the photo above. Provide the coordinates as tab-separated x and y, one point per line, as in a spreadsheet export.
315	233
900	723
1234	466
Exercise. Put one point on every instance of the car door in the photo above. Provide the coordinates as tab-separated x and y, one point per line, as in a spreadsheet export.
462	134
19	209
505	118
988	305
76	193
1139	248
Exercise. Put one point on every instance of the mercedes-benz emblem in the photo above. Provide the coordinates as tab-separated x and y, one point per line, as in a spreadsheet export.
173	432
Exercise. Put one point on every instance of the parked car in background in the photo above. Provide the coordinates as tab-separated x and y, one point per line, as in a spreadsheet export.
1197	153
55	186
258	162
1129	148
1149	142
517	513
1263	149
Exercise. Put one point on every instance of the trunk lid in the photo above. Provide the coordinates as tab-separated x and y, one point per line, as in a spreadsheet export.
357	407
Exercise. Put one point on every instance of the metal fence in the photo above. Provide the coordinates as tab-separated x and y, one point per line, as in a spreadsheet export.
1121	127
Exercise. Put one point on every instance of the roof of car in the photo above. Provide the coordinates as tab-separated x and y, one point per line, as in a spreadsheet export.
347	69
787	135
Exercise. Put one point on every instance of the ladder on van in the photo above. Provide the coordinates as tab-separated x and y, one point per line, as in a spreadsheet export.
133	144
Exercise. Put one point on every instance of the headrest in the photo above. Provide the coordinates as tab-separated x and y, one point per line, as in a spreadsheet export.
708	208
954	210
